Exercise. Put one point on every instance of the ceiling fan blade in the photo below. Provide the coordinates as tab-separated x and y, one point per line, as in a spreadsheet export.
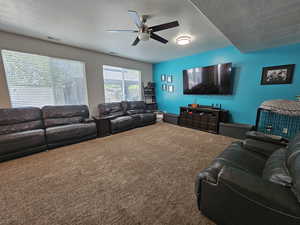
158	38
164	26
136	41
136	18
129	31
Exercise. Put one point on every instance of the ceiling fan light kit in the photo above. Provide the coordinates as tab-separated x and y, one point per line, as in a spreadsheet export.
144	33
183	40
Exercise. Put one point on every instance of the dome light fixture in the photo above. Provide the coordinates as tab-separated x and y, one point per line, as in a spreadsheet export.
183	40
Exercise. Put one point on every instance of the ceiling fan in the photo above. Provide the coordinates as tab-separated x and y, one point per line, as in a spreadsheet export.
144	33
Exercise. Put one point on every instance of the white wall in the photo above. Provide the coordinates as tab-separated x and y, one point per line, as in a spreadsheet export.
93	60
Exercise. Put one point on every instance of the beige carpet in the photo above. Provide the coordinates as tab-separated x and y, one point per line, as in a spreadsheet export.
141	177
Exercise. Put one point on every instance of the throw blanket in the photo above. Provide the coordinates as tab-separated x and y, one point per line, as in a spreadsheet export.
285	107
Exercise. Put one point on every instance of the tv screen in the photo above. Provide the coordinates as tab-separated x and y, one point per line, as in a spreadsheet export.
210	80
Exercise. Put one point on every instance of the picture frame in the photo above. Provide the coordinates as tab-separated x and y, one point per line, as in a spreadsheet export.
169	79
164	87
278	74
171	88
163	77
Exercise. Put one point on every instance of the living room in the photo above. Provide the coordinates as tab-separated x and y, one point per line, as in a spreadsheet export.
149	112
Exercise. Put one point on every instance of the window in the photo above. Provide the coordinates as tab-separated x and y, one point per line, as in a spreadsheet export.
121	84
35	80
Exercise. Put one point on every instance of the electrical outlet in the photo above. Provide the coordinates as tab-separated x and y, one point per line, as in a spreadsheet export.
285	130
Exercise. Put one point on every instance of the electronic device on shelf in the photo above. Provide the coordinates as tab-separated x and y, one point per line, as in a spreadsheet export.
210	80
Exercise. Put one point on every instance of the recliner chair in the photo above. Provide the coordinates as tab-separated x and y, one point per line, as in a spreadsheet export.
137	110
119	121
250	183
21	132
126	115
67	124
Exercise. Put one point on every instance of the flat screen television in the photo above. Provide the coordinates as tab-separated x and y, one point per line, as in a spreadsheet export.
210	80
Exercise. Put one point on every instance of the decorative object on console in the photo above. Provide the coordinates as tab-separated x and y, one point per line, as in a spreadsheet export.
163	77
195	106
278	74
279	117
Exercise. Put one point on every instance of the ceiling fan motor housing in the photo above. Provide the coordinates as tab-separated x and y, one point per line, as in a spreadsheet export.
144	33
144	36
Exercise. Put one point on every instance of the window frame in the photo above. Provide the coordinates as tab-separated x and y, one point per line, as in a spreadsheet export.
123	70
38	54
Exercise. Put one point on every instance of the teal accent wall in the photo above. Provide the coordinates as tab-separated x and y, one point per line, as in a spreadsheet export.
248	92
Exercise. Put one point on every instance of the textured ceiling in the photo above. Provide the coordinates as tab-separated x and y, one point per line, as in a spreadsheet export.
83	23
254	24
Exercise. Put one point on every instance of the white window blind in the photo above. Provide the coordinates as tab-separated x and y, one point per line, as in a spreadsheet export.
121	84
35	80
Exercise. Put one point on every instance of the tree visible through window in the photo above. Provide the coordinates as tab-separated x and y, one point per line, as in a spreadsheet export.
121	84
35	80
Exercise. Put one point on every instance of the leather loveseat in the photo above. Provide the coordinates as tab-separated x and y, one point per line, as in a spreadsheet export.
21	132
126	115
256	181
137	110
67	124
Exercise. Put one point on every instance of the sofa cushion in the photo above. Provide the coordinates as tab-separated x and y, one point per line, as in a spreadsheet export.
111	109
20	127
10	143
122	122
236	156
63	115
14	120
275	169
134	111
134	105
71	131
52	122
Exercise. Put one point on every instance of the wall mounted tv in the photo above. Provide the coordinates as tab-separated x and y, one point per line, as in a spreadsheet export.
210	80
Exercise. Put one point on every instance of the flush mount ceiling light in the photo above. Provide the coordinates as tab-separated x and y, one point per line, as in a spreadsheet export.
183	40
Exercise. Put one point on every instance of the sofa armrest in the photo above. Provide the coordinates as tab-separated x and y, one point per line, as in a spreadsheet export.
261	147
259	136
261	192
209	175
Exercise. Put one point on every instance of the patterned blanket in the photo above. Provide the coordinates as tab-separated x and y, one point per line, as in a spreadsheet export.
284	107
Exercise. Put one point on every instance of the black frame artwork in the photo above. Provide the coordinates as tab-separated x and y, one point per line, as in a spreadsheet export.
278	74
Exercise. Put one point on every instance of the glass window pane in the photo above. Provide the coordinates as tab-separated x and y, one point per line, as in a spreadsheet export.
121	84
35	80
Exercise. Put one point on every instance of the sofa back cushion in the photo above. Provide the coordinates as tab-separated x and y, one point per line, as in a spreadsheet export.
111	109
275	169
134	107
15	120
64	115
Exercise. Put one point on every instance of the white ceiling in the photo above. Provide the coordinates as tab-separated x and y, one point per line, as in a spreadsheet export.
82	23
255	24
